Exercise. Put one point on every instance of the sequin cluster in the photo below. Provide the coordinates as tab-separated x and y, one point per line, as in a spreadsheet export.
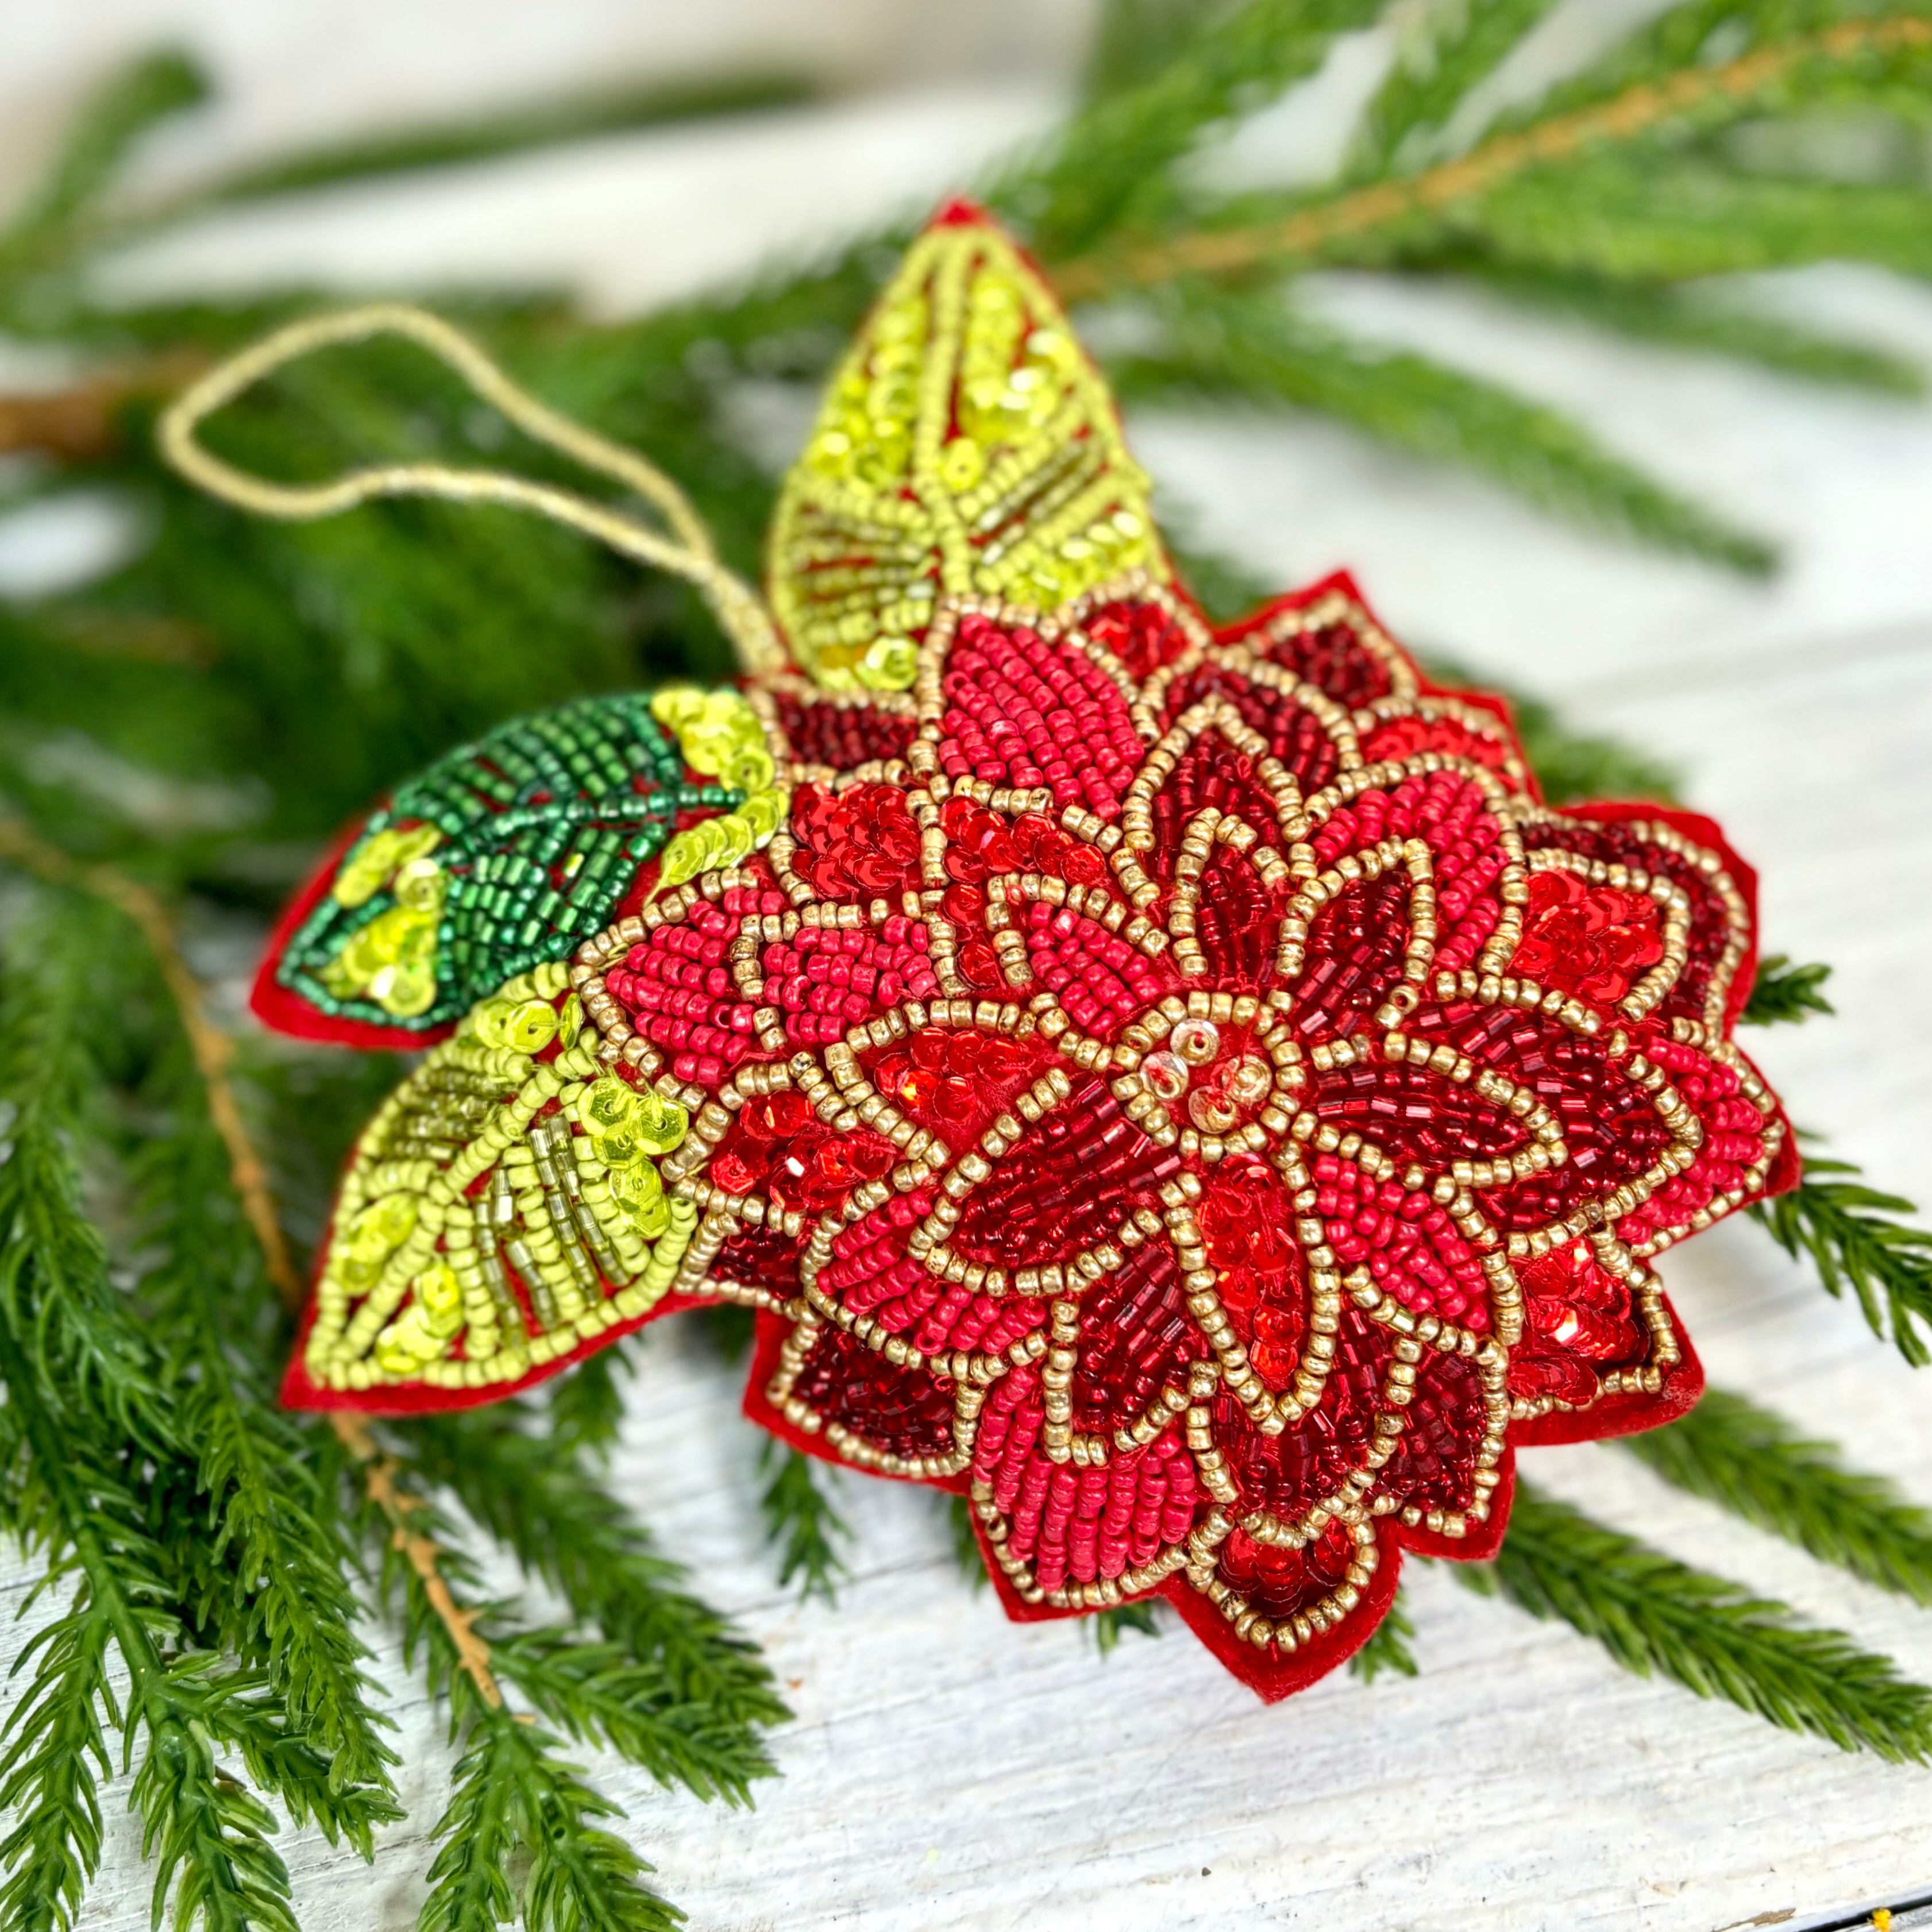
503	1210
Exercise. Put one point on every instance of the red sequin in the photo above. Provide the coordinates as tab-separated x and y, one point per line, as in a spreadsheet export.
1593	940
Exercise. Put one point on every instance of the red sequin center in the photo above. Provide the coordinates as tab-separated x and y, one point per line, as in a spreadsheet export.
1593	940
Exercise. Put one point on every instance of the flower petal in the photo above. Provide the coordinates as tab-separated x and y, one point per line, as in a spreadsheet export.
1029	708
1325	635
837	733
1673	855
820	1389
1067	1535
1064	1186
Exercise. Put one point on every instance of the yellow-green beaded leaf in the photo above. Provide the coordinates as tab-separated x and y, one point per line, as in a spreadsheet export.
503	1209
966	445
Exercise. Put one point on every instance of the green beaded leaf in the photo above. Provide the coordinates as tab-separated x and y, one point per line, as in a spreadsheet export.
506	853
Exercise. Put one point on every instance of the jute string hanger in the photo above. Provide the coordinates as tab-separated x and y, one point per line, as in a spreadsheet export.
684	548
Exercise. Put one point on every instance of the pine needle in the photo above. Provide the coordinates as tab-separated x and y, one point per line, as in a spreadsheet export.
1783	992
97	147
1656	1616
1387	1648
1108	167
1443	52
517	1804
1254	348
653	103
549	1508
275	1566
965	1544
1109	1626
1577	767
1848	1233
802	1522
1753	1463
586	1406
1694	319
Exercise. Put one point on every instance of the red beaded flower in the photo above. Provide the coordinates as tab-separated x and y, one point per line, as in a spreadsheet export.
1179	1089
1183	1092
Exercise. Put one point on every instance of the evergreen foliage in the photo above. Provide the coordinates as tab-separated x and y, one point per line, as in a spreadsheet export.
1387	1648
1657	1615
1783	992
1110	1626
206	712
1851	1235
802	1521
1753	1463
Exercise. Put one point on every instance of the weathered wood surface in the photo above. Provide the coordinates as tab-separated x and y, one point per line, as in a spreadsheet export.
949	1771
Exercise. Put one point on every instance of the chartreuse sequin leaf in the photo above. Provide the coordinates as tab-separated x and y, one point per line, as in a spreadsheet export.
966	444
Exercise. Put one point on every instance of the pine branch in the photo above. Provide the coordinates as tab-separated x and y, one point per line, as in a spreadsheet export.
205	1834
1573	767
97	147
1655	1615
1847	1231
1442	52
1783	992
652	103
1630	219
1387	1648
1753	1463
546	1507
88	1415
802	1521
515	1800
586	1406
965	1544
1109	1626
731	1329
1693	319
598	1692
73	1321
1134	40
1618	103
1107	169
1254	347
270	1532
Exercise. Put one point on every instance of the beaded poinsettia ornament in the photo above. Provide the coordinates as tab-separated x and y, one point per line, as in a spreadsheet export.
1176	1088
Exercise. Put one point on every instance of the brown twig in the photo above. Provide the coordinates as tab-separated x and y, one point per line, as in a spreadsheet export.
212	1050
81	423
420	1552
1228	250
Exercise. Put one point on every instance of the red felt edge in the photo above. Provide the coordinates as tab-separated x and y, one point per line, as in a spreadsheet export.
299	1390
1273	1677
1625	1413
